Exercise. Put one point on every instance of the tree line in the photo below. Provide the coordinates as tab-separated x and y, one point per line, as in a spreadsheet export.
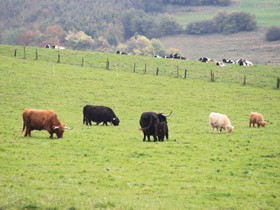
106	25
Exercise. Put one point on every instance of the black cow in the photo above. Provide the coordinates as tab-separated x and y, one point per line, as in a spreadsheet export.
162	131
99	114
149	122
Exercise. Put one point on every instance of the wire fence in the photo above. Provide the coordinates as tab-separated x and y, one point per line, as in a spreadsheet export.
259	76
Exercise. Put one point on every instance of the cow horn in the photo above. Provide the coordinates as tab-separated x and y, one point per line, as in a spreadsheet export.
67	127
167	115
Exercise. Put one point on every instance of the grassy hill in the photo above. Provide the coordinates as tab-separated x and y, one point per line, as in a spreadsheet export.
266	12
250	45
111	167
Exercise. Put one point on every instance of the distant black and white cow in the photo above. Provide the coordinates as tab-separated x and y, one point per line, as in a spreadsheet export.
47	46
228	61
157	56
218	63
244	62
206	60
175	56
122	53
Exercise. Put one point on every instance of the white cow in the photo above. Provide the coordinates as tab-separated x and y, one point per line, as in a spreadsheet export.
220	121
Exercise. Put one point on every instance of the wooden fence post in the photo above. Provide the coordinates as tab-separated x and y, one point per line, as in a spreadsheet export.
82	62
145	70
58	57
212	75
186	73
107	64
244	82
15	53
278	83
134	67
24	55
178	73
157	71
36	55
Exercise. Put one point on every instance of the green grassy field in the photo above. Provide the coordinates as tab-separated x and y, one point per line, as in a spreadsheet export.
106	167
266	12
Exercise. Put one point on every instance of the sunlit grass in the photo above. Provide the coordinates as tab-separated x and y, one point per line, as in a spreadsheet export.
111	167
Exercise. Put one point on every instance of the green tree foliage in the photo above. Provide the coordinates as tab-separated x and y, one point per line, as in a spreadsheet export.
224	23
141	45
139	22
273	34
79	40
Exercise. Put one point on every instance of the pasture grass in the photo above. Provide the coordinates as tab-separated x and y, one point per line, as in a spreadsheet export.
266	12
107	167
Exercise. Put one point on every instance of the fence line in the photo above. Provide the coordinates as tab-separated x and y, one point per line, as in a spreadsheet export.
162	70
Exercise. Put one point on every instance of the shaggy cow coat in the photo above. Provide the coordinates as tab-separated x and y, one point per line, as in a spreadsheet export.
256	118
220	122
42	120
162	130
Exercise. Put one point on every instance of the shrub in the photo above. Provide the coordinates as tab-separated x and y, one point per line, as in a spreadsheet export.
224	23
201	27
273	34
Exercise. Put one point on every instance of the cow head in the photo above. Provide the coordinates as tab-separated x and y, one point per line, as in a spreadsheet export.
162	116
59	130
229	129
262	123
115	121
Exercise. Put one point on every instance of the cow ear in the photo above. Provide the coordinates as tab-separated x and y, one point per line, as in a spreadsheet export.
55	127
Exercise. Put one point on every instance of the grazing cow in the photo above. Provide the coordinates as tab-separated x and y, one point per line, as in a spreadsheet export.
99	114
122	53
244	62
149	122
47	46
175	56
220	121
42	120
206	60
220	64
257	118
228	61
157	56
162	131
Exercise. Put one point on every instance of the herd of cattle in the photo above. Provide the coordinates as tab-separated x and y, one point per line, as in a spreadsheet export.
240	62
152	124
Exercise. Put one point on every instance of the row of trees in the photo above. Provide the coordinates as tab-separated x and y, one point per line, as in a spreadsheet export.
224	23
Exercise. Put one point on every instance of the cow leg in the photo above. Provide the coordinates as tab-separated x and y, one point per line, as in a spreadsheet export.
155	137
144	139
26	132
51	135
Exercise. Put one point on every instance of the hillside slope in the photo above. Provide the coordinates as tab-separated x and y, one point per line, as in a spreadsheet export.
108	167
249	45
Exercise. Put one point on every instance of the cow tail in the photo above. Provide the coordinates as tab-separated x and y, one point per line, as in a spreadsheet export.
23	126
150	124
84	119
